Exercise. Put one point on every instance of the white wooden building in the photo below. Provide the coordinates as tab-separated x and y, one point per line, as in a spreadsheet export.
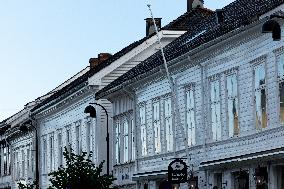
227	79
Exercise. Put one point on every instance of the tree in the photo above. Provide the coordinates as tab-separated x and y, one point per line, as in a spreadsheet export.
79	172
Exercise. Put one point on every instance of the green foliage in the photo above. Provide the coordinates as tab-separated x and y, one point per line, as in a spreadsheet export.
27	186
79	172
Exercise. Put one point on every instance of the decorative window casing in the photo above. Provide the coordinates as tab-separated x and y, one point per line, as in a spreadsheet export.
168	124
260	96
142	116
190	115
281	86
215	104
232	105
157	126
117	141
126	140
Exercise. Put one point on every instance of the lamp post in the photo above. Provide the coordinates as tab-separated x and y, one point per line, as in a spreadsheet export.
92	111
23	128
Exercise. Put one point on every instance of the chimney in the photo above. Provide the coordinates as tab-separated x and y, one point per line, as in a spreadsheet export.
219	16
150	27
192	4
96	61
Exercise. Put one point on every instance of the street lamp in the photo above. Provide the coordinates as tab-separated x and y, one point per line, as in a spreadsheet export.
192	181
92	111
24	128
272	26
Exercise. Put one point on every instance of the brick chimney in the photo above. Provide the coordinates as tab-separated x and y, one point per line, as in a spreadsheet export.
150	28
192	4
96	61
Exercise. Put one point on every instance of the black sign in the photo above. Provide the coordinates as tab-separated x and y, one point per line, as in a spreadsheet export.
177	172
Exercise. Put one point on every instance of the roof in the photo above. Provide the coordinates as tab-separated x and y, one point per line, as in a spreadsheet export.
237	14
182	23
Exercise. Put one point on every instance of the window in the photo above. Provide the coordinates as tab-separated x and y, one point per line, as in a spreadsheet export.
190	116
126	140
60	149
44	155
215	110
260	96
5	159
89	137
157	127
117	141
18	165
133	149
23	164
169	125
142	115
9	159
78	139
28	162
281	86
232	98
68	138
51	148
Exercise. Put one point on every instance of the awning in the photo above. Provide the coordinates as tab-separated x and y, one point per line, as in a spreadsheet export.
152	175
257	157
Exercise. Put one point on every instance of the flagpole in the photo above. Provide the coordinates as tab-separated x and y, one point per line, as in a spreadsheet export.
175	112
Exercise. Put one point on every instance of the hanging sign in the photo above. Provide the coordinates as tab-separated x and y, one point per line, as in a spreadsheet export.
177	172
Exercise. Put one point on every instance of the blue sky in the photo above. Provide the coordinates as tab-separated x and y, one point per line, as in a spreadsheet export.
44	42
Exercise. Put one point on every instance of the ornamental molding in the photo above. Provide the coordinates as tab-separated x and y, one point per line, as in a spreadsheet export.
259	60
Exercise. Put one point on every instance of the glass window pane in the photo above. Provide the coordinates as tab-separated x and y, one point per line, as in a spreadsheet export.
215	111
281	98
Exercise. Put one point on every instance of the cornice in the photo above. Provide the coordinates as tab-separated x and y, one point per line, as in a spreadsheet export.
64	101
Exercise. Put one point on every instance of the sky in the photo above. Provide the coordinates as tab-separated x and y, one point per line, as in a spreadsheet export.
45	42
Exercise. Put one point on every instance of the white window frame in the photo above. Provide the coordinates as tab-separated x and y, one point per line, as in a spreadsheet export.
190	114
60	148
44	154
280	79
143	129
78	132
216	126
125	139
156	109
117	142
89	136
258	89
133	129
51	152
168	123
231	131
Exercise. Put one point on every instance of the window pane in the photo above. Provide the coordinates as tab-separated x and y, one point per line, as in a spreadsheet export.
156	123
215	110
117	142
260	97
168	125
142	115
281	97
232	93
190	117
126	144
